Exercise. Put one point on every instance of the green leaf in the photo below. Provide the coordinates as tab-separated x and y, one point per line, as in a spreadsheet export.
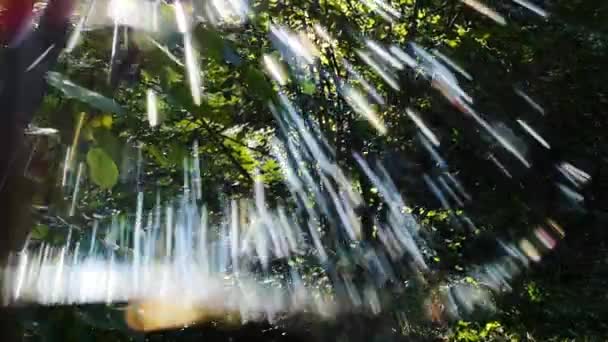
308	87
40	232
110	144
258	84
71	90
158	156
211	42
102	168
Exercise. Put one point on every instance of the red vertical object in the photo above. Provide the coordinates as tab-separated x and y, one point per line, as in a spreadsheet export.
21	91
14	17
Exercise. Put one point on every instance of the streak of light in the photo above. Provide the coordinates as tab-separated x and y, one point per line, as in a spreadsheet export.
571	194
514	252
321	32
165	50
436	191
41	131
180	17
423	127
532	7
137	231
384	14
440	162
404	56
22	268
557	227
155	25
114	48
74	147
534	134
530	101
203	251
59	275
222	8
371	90
152	106
345	212
92	243
459	186
234	236
168	232
450	191
76	188
193	70
575	175
363	108
275	69
40	58
382	53
500	165
379	70
231	12
444	81
440	76
192	67
453	65
66	167
76	33
383	9
528	248
240	7
196	178
121	10
502	140
544	237
293	45
311	50
485	10
110	284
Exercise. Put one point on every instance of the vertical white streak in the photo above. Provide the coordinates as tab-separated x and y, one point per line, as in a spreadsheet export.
152	108
76	189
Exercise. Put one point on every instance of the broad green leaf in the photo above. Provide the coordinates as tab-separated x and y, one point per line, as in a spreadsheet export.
102	168
71	90
108	142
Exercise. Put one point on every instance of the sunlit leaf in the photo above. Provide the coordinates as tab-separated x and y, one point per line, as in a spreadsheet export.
102	168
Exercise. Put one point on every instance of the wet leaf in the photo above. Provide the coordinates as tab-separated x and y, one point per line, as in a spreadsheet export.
71	90
103	170
106	121
110	144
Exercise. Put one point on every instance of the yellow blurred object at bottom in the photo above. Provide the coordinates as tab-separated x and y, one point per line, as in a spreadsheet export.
163	315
